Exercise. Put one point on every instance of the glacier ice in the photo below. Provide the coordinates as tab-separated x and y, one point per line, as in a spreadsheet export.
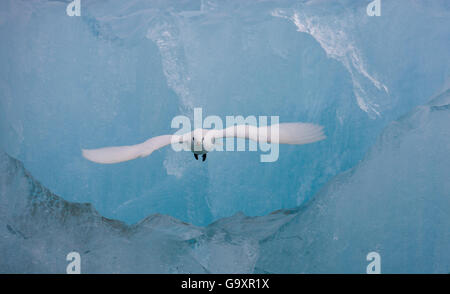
38	229
396	202
119	73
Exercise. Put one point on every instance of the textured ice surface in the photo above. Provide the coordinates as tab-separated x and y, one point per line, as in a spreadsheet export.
395	202
119	73
38	229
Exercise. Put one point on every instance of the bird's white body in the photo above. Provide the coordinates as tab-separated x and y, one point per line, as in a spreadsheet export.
202	141
197	144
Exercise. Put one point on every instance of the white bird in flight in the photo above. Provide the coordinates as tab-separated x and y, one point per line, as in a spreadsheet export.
201	141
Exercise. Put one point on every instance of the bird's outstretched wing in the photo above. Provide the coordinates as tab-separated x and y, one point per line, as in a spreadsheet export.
123	153
284	133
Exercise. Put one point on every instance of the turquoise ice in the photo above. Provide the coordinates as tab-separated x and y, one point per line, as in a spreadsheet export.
119	73
395	202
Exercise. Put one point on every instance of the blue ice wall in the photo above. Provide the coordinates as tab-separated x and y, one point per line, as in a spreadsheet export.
395	202
119	74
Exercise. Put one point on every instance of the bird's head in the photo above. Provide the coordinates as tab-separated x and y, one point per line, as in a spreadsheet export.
197	139
202	140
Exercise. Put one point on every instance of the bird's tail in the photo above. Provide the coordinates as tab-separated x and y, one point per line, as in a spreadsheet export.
299	133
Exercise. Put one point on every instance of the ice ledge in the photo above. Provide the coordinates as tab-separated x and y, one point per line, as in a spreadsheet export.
42	228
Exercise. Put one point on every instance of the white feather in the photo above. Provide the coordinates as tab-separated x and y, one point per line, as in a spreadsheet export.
124	153
284	133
